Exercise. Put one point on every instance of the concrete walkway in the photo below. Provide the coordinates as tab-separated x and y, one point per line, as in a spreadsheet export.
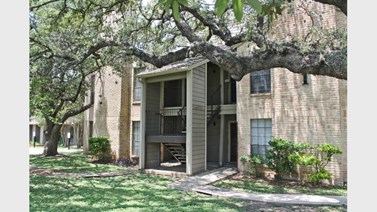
61	150
200	184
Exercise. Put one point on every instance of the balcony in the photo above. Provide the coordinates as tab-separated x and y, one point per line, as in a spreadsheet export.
169	124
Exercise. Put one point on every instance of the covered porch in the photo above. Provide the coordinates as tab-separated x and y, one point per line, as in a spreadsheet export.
173	119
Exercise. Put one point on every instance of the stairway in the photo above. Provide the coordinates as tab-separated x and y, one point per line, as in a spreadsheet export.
178	151
212	114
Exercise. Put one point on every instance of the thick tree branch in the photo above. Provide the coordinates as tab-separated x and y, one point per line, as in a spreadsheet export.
341	4
160	60
287	55
211	22
75	112
331	63
78	89
43	4
93	49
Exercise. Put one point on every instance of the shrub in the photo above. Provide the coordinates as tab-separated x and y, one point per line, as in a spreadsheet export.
284	156
254	162
318	176
100	147
321	155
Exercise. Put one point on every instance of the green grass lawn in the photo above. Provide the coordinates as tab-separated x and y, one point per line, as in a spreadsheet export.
136	192
72	163
132	192
260	186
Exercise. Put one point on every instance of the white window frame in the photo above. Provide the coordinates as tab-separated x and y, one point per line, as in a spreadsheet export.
260	135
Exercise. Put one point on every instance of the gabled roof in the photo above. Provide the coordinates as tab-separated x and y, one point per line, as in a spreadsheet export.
176	67
32	121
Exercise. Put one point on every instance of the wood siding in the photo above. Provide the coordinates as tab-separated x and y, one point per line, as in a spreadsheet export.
152	107
197	111
152	156
152	150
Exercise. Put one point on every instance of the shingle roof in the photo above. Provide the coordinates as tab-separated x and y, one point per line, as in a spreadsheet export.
179	66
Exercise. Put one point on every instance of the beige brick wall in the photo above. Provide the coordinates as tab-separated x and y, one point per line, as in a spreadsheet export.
304	16
107	115
315	113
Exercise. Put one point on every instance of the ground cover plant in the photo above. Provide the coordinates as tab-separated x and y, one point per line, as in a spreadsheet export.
259	185
131	192
73	163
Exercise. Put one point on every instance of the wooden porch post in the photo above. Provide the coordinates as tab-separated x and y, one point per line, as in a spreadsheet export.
142	124
189	124
221	149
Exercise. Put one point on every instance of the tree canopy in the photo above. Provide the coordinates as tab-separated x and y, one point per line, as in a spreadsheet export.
70	39
166	31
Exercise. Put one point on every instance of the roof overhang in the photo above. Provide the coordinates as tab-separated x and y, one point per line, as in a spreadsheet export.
177	67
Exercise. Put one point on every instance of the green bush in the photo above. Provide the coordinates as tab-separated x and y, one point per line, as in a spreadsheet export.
317	177
284	156
320	156
254	162
100	147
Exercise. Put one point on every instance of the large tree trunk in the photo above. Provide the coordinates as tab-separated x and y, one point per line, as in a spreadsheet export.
52	139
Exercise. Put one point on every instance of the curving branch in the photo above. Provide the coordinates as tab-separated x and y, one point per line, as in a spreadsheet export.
286	55
341	4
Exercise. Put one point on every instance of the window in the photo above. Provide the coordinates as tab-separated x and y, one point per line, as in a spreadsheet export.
260	82
261	134
305	79
173	93
137	86
136	137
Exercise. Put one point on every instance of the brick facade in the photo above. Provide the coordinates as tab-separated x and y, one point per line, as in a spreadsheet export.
108	113
315	113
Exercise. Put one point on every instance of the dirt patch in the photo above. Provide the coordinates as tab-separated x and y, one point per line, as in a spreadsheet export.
37	171
269	207
283	182
121	162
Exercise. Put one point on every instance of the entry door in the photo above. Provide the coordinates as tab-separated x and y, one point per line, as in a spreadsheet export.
233	142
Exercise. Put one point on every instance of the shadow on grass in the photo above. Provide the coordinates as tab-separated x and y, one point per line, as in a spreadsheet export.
72	163
251	185
138	192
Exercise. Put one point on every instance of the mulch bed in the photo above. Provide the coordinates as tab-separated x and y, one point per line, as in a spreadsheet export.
283	182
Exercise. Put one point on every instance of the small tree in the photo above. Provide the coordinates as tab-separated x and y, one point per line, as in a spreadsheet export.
100	148
321	156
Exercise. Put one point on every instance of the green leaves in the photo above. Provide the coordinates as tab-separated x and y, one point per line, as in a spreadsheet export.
174	4
220	6
237	6
176	10
100	147
183	2
256	5
237	9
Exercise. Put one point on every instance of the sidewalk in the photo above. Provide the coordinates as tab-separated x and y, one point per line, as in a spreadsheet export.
200	184
61	150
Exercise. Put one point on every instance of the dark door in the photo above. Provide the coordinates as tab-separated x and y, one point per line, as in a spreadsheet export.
233	142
